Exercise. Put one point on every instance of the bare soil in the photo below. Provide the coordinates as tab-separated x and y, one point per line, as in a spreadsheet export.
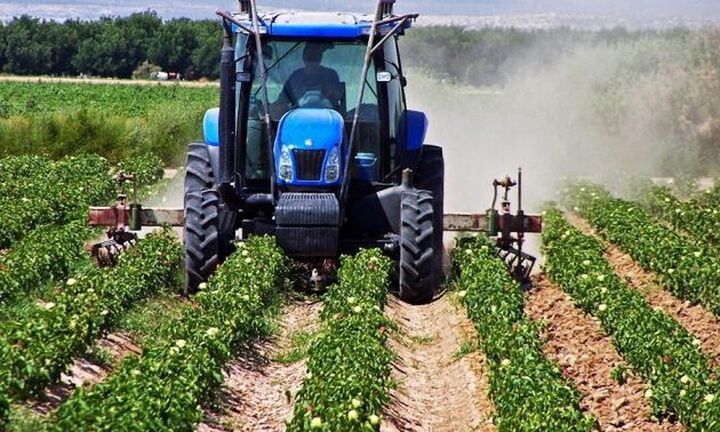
438	389
587	357
700	322
259	391
85	372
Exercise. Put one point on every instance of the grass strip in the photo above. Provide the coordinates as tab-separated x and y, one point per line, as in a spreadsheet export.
163	389
528	390
348	377
691	270
659	349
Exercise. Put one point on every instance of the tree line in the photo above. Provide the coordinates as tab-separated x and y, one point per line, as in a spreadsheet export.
110	47
118	46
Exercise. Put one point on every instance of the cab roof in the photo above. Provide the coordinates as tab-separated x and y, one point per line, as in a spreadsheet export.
316	25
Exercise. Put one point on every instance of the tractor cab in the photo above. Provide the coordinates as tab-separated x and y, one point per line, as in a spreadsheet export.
313	63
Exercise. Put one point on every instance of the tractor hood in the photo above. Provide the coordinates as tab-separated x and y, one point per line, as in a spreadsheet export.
309	148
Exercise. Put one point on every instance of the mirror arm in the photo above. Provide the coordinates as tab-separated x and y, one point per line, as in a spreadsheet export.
392	33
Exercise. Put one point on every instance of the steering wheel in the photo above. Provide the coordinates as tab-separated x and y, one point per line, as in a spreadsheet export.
314	99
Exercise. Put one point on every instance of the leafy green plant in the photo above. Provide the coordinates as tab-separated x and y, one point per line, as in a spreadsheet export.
659	349
348	375
59	194
700	221
529	391
182	367
37	347
691	269
45	255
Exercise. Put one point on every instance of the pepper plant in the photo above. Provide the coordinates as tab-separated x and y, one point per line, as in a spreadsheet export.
658	349
690	269
348	376
700	221
182	367
36	347
529	391
47	254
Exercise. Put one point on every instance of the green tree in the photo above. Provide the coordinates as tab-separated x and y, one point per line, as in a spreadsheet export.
26	51
172	46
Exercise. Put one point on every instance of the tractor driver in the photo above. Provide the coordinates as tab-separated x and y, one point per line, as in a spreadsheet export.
313	86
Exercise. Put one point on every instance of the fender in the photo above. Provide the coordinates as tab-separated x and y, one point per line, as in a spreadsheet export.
211	133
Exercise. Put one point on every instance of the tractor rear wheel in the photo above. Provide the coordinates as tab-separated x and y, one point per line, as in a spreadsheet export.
209	225
416	247
430	176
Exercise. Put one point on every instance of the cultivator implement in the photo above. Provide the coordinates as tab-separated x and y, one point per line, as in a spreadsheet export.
124	221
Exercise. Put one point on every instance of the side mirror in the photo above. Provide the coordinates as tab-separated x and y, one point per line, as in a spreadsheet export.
416	125
211	127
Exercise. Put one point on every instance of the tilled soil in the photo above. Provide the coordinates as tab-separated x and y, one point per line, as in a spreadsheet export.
587	357
695	318
85	372
438	389
258	392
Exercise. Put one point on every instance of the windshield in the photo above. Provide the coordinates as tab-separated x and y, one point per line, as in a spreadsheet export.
315	74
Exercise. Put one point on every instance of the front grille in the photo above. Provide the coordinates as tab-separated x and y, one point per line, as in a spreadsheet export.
308	164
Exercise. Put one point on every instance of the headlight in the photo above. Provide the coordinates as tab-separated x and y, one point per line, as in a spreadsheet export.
332	167
285	170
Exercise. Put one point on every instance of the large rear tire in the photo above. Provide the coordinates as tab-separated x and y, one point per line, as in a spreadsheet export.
416	247
430	176
209	225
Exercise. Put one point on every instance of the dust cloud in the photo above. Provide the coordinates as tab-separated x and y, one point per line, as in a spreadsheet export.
572	117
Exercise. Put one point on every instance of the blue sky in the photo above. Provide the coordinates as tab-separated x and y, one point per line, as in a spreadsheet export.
650	9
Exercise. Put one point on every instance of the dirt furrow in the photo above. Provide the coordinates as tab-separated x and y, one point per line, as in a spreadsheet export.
441	376
696	319
86	371
259	388
577	343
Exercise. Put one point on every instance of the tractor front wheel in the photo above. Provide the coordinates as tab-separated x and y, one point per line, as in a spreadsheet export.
416	247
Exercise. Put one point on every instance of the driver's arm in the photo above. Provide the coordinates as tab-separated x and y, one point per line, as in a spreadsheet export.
332	87
287	98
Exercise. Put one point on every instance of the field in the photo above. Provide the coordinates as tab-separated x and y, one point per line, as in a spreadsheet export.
618	331
115	121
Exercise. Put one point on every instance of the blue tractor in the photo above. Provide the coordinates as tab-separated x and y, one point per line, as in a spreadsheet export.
313	144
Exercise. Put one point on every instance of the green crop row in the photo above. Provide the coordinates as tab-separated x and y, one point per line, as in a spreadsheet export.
700	221
348	375
659	350
36	347
41	192
28	98
529	391
690	269
59	195
16	170
45	255
182	367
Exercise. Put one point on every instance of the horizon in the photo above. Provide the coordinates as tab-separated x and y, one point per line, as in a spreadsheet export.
502	13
